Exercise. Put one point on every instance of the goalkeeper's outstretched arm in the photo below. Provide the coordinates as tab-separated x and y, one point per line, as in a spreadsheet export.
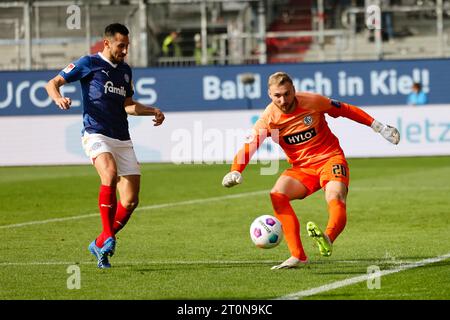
354	113
241	160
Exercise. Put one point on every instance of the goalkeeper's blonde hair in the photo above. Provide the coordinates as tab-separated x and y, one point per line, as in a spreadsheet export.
279	78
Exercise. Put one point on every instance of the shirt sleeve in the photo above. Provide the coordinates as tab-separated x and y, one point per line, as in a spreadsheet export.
77	70
341	109
260	132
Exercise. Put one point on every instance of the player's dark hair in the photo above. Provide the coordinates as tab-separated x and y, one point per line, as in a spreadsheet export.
114	28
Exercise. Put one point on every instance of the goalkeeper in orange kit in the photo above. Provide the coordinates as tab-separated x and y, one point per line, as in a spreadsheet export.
298	120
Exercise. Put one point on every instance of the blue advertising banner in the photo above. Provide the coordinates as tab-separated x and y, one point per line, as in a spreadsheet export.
362	83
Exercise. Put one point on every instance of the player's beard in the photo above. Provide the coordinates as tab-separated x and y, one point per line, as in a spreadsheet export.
287	108
118	58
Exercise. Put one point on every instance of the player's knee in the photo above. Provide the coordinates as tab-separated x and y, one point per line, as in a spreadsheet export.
339	196
274	193
109	179
278	198
130	205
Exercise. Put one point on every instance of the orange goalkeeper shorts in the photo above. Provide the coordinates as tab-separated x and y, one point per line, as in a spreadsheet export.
316	176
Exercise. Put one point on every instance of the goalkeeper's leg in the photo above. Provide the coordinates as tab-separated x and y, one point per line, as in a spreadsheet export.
286	189
291	226
336	224
337	218
335	177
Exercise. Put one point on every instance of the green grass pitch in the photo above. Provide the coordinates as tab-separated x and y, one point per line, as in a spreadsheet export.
190	240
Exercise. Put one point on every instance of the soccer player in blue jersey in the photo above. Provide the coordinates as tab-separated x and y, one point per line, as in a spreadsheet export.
106	83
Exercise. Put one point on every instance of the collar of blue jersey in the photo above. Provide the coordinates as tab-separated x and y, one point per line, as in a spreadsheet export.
106	59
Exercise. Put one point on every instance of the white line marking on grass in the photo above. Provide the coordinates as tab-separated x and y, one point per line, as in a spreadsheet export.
152	207
195	201
181	262
362	278
156	262
168	262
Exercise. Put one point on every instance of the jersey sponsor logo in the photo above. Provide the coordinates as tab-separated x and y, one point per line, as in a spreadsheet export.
106	72
300	137
308	120
109	87
335	103
69	68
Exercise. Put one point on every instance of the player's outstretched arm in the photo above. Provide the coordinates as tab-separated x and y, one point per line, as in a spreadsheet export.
135	108
52	88
354	113
390	133
241	159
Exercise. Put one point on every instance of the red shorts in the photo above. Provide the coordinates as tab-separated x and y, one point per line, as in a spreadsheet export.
317	176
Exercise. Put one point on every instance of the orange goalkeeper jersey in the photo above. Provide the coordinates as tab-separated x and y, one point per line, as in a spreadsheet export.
304	134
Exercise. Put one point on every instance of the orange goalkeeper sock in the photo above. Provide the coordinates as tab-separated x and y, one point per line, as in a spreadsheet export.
337	218
291	227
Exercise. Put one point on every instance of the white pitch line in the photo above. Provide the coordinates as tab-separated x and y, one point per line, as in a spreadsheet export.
189	202
152	207
187	262
161	262
362	278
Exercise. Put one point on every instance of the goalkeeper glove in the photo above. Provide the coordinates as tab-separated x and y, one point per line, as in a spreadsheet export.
391	134
231	179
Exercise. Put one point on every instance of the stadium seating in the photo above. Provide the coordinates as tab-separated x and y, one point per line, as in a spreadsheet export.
54	44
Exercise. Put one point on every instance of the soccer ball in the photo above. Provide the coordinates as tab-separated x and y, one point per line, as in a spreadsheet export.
266	231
